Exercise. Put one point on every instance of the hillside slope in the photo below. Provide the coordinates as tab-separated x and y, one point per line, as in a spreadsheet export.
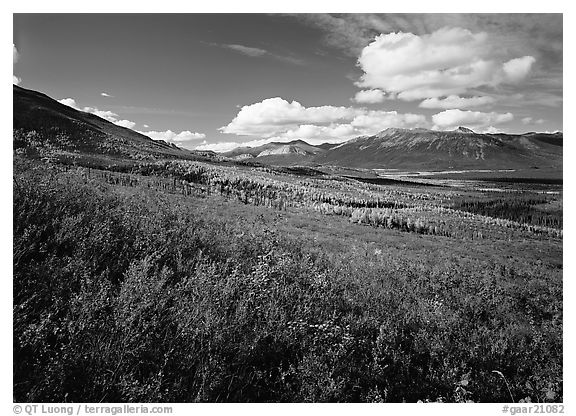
44	124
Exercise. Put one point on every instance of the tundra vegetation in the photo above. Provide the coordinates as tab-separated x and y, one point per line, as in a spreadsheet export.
187	281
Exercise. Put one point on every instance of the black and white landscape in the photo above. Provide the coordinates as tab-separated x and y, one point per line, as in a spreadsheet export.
288	208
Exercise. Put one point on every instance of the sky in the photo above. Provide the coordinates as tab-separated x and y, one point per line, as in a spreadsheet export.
218	81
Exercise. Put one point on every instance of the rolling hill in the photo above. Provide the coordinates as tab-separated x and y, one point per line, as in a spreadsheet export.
44	126
299	147
296	152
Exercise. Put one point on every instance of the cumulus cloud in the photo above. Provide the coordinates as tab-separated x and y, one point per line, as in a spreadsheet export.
353	31
517	69
271	115
173	137
16	80
183	137
219	147
455	101
70	102
314	134
472	119
373	122
105	114
489	130
449	61
125	123
105	94
366	123
369	96
279	120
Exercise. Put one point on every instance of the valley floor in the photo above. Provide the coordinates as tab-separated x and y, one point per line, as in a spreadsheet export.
186	282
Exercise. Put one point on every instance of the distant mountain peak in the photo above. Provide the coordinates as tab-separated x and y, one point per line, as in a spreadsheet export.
464	130
400	130
293	142
390	131
395	130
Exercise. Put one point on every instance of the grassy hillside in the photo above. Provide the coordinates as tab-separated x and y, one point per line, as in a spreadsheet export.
43	127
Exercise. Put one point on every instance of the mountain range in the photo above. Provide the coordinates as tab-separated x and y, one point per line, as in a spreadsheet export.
40	119
396	148
462	148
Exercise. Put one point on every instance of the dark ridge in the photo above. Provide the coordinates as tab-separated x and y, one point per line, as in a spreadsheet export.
299	170
389	181
539	181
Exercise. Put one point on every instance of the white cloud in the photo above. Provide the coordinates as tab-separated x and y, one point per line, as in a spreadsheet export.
449	61
530	120
15	57
146	125
527	120
105	94
454	101
257	52
472	119
219	147
366	123
373	122
247	50
272	115
370	96
105	114
70	102
276	119
125	123
173	137
489	130
169	136
314	134
518	69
